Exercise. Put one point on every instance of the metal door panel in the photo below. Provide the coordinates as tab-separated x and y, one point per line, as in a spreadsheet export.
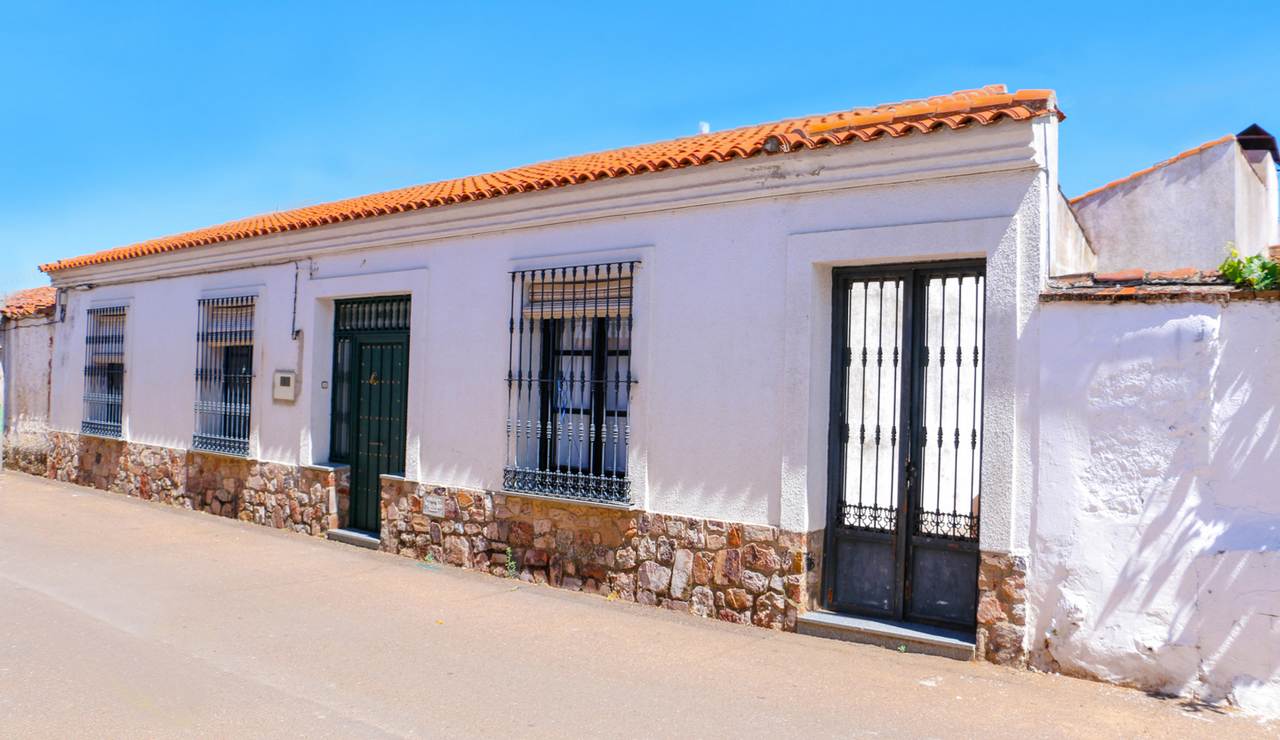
944	583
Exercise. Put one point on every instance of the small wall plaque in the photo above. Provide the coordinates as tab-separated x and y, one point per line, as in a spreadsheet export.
433	506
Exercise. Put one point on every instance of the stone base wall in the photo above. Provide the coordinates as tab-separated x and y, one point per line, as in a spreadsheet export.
749	574
743	573
87	460
216	483
153	473
271	494
27	450
1002	608
342	494
288	497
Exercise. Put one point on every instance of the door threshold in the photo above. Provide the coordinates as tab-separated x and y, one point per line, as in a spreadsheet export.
901	636
356	537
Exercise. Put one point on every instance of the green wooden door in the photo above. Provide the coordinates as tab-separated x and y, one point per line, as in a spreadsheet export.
380	390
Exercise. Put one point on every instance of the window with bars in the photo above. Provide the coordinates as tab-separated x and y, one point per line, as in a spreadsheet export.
569	382
224	374
104	372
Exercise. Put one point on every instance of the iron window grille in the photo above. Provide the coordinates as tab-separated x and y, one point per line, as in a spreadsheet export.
224	374
569	382
948	308
352	318
104	372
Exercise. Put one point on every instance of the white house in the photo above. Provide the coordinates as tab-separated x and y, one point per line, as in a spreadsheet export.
26	348
798	375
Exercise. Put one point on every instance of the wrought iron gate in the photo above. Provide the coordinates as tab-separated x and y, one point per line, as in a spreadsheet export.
370	391
906	442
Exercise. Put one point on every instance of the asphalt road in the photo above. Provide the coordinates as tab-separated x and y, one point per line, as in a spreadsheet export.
125	618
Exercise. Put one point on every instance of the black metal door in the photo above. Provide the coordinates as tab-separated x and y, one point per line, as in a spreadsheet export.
371	376
906	442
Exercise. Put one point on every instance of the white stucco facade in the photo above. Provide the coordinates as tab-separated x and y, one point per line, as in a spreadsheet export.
732	331
1156	524
1185	213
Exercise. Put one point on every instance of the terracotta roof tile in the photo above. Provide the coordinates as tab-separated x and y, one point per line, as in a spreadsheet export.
983	106
1150	286
1159	165
30	302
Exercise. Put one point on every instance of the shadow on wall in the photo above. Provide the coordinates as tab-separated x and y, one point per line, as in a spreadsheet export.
1157	526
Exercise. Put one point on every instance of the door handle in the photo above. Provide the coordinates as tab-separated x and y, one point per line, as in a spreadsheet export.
907	504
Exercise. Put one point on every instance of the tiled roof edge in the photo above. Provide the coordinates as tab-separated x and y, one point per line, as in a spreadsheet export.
982	106
1153	168
30	302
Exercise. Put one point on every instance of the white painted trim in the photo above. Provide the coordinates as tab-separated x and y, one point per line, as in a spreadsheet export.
316	296
641	334
246	291
97	303
810	259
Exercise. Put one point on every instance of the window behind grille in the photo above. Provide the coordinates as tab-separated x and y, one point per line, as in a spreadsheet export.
569	382
224	374
104	372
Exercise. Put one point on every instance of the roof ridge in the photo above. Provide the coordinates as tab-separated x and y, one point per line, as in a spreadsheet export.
959	109
1158	165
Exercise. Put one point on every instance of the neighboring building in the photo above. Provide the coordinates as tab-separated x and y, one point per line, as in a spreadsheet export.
26	348
794	375
1189	210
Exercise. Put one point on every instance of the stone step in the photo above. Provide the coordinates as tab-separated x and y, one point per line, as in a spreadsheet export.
354	537
910	638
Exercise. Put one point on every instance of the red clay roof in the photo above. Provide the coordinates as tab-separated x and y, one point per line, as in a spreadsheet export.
29	302
983	106
1140	173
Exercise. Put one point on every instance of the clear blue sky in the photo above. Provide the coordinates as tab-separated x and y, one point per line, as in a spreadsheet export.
124	121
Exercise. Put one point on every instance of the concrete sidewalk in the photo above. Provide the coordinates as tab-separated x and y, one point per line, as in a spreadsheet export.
125	618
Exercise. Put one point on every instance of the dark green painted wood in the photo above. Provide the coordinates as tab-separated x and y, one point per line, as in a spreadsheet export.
382	373
374	334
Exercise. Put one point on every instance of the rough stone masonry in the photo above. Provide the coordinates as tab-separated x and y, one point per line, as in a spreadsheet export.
743	573
749	574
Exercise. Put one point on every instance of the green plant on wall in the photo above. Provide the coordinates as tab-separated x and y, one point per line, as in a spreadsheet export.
511	563
1254	272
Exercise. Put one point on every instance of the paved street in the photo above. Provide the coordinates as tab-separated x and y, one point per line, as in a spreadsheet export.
124	618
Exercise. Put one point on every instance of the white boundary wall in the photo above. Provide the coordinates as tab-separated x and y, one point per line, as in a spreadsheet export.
1156	526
